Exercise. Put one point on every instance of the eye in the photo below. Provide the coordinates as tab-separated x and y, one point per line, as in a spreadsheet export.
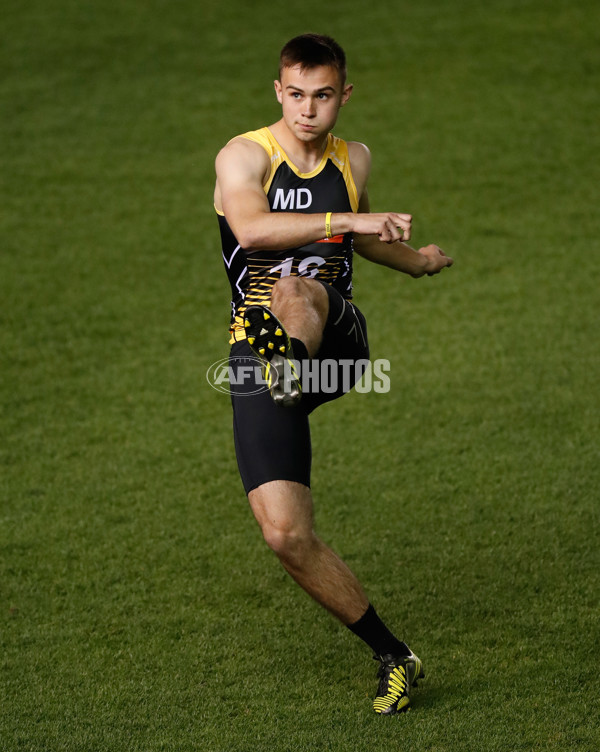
323	95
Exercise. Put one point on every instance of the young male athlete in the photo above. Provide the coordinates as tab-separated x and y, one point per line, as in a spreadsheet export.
293	206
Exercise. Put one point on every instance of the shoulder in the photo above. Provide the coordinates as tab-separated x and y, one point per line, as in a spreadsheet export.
360	163
242	154
240	165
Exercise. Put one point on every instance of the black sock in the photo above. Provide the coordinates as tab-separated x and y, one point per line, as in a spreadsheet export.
378	637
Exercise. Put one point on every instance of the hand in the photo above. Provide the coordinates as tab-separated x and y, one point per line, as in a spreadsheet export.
390	226
436	259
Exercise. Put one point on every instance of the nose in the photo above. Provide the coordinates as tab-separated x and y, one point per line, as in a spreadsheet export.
309	107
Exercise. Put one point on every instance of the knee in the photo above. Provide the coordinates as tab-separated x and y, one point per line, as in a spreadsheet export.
301	289
289	287
300	293
289	544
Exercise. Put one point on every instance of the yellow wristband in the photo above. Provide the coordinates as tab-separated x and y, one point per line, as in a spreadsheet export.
328	225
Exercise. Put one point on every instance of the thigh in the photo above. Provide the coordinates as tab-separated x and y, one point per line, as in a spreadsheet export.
345	333
271	442
344	352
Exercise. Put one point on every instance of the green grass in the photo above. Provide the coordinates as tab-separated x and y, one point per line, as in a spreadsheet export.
139	609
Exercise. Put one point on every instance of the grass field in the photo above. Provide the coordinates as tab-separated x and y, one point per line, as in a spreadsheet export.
139	609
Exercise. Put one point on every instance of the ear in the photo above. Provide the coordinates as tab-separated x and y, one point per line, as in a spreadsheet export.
346	94
278	91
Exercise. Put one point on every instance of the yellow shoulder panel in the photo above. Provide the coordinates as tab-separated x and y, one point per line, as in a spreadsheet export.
261	137
270	145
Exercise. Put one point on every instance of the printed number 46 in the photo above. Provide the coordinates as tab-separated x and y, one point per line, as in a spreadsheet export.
285	268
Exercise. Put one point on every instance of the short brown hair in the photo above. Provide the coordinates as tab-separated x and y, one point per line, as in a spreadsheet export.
312	50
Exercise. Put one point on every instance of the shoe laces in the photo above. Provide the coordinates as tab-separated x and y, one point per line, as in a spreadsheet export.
387	664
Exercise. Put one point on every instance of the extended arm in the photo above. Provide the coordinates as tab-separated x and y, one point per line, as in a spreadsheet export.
398	255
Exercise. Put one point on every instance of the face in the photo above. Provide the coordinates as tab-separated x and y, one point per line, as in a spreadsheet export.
311	99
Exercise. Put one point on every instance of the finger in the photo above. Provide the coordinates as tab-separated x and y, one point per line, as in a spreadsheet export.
398	232
404	221
385	233
447	262
390	233
404	229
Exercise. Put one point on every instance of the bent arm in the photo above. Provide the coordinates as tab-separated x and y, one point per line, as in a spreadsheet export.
241	170
242	167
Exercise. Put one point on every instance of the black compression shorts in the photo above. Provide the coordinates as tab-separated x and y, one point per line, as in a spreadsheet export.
273	442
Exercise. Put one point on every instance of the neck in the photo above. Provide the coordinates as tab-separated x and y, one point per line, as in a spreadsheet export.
306	155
